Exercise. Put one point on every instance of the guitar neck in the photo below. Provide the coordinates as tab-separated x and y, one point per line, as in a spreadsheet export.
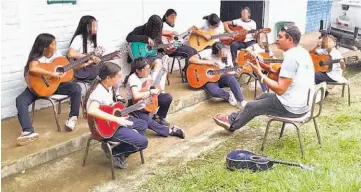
273	60
73	64
285	163
162	46
109	56
223	35
158	78
221	71
131	108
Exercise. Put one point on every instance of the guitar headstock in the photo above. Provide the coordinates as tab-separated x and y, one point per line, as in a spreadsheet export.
307	167
99	51
352	59
177	43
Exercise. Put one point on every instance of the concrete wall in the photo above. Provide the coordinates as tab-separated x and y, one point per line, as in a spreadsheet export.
23	20
285	10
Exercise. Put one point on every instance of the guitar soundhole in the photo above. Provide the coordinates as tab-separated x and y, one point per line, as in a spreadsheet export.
255	158
117	113
60	70
149	48
209	73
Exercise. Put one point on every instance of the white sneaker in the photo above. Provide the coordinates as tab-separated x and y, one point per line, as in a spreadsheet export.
232	99
71	122
27	137
243	103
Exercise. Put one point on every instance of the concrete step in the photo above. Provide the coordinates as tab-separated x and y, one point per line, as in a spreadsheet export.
67	174
53	144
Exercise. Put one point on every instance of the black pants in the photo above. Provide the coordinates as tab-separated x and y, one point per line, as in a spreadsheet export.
186	52
265	104
73	90
322	77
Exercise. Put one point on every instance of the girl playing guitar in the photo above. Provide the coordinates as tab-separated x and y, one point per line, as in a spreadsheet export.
101	92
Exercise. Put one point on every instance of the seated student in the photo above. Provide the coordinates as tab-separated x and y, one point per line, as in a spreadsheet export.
134	81
168	25
218	55
210	22
328	47
261	47
151	33
290	97
44	51
85	41
101	92
247	24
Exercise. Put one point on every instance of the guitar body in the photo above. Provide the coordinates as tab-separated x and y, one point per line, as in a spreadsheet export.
153	105
241	61
198	76
140	50
318	60
243	159
37	85
199	42
103	129
240	37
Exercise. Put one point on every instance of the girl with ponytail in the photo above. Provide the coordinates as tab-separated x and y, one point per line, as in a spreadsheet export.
101	92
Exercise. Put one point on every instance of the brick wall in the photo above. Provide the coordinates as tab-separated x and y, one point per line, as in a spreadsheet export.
23	20
316	11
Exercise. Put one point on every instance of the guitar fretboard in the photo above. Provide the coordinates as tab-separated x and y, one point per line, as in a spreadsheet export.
131	109
220	71
273	60
77	62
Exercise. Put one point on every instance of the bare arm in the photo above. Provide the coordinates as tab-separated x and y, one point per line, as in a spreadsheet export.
35	68
140	95
226	26
196	60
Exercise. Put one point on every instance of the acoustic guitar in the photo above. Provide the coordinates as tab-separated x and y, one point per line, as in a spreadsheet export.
243	159
272	66
323	63
43	85
141	50
91	71
198	75
242	33
148	85
104	129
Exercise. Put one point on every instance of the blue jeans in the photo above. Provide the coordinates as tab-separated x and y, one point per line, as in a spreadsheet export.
132	141
73	90
226	80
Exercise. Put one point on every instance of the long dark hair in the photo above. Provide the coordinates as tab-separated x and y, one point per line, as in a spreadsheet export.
212	19
109	69
137	64
167	13
41	42
153	28
83	29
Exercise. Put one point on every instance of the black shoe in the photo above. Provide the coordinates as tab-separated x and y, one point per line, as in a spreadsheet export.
161	121
177	132
326	93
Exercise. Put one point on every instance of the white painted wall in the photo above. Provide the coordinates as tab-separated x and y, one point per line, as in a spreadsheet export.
23	20
285	10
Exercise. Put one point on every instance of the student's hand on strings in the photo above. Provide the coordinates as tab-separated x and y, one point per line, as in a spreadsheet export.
256	67
57	75
154	91
150	42
208	37
96	59
124	122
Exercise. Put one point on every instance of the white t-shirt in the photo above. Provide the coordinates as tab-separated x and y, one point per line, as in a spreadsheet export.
336	72
246	25
77	44
101	95
167	27
298	66
44	59
204	25
207	55
136	82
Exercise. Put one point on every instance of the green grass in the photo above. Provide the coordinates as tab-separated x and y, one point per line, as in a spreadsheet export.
337	163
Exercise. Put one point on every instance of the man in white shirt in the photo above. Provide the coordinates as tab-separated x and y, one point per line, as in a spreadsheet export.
247	24
291	91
